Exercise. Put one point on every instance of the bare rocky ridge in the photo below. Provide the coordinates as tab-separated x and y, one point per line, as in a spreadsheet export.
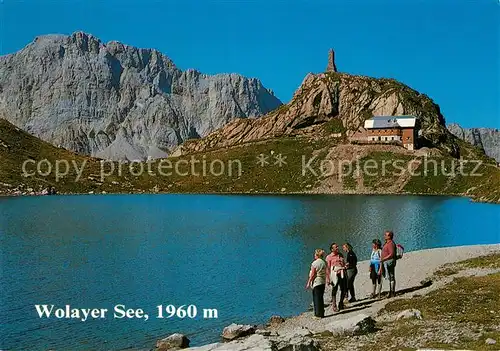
487	139
331	96
117	101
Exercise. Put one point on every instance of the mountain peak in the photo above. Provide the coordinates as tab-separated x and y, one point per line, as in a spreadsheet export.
76	37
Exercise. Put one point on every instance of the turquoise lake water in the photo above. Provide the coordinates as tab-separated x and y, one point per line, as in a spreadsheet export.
246	256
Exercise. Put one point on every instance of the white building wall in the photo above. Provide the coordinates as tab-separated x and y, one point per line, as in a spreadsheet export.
383	138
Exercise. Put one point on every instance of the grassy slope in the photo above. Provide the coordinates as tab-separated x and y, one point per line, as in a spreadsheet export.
483	185
479	181
460	315
467	302
17	146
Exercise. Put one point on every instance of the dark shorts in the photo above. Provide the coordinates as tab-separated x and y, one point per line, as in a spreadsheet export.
341	284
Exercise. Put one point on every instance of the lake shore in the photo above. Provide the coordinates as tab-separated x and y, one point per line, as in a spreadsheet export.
414	273
305	193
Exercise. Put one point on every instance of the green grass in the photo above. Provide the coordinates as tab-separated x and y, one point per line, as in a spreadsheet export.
18	146
466	299
334	126
467	302
488	261
481	181
256	178
349	181
431	177
253	178
468	307
382	169
446	271
491	261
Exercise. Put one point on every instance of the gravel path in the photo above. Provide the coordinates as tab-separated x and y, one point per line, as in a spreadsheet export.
410	271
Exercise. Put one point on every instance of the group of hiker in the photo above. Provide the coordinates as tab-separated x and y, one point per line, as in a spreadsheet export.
340	272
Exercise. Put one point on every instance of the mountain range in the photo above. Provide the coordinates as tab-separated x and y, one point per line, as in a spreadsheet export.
116	101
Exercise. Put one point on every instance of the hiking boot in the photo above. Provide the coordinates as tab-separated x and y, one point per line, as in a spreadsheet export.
392	289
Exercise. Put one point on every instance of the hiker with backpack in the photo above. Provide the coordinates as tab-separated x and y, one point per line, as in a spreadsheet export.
336	276
389	257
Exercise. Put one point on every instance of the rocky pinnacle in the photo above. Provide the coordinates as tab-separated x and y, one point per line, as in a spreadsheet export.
331	67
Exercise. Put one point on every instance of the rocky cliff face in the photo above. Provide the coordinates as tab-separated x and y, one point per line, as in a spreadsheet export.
349	99
487	139
116	101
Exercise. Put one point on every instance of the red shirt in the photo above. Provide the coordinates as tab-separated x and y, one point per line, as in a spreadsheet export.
335	260
389	249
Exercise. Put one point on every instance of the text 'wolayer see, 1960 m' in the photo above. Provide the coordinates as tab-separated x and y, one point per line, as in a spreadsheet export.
120	311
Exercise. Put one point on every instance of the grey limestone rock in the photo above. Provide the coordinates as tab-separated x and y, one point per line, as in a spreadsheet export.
409	314
357	324
234	331
117	101
173	342
490	341
292	341
253	343
275	320
487	139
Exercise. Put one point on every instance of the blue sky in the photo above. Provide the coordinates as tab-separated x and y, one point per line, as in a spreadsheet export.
447	49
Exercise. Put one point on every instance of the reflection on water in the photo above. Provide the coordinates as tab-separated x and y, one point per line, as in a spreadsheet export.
247	256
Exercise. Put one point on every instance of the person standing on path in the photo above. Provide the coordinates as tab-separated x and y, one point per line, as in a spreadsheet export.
336	276
351	270
316	281
376	268
389	261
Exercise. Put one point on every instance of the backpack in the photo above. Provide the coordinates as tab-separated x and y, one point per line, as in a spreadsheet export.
399	251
